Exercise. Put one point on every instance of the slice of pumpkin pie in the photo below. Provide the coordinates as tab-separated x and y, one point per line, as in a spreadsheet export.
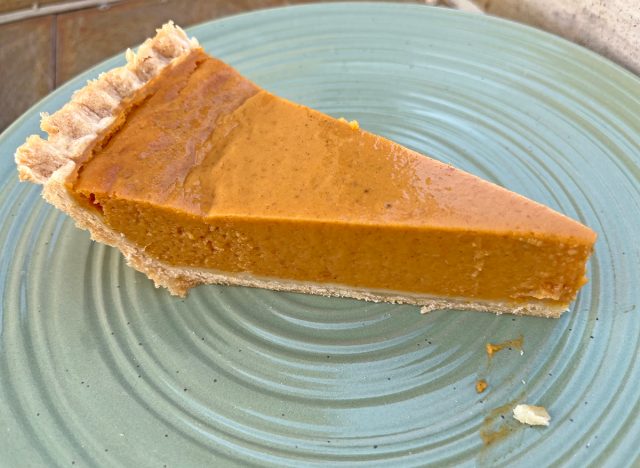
199	176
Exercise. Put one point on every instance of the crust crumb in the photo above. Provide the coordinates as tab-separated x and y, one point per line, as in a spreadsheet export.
531	415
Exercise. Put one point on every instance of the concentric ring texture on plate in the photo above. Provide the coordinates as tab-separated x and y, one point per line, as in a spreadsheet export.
98	368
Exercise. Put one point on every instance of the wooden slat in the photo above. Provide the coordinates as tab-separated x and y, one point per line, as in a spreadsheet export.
13	5
27	65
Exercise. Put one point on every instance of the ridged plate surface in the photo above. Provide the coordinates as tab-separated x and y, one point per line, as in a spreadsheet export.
98	368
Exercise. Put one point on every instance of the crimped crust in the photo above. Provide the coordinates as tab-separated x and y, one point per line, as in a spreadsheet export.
74	129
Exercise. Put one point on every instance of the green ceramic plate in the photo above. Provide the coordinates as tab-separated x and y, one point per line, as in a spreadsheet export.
99	368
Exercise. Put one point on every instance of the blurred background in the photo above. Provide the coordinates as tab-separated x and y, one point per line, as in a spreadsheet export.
45	43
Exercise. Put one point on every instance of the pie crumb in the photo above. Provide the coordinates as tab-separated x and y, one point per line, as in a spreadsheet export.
481	385
531	415
352	123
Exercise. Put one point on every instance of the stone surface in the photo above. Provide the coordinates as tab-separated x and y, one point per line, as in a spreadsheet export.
609	27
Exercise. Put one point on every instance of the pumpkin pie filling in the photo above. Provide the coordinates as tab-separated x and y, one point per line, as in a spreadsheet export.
204	169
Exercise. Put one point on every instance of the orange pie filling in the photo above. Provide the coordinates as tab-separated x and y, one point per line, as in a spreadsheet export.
205	169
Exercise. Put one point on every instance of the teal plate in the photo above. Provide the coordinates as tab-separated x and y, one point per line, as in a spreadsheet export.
99	368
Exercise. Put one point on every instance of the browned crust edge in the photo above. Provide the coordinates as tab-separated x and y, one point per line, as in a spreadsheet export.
78	125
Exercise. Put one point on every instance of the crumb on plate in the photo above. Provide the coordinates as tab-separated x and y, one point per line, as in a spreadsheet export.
531	415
